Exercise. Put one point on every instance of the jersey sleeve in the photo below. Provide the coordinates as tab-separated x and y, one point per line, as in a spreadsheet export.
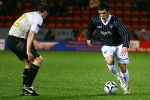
36	24
91	28
124	32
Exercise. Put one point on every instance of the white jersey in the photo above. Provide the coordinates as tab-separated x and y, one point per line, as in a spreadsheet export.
28	21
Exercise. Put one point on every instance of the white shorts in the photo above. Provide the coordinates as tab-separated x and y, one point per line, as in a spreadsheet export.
115	51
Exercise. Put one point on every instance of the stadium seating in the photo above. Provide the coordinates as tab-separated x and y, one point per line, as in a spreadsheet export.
2	18
80	17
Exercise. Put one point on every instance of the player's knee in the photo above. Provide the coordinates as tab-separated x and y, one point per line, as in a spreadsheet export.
38	61
109	62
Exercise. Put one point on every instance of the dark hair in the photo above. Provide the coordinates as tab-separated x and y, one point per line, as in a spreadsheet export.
42	7
103	6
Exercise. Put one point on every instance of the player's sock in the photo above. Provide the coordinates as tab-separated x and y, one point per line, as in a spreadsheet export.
25	75
114	70
125	76
31	75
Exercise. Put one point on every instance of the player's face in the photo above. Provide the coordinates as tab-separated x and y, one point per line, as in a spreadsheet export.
103	14
44	14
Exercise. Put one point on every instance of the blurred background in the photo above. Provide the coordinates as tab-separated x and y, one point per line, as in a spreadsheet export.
68	19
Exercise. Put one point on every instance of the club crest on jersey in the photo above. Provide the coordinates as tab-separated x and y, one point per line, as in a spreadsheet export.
111	26
99	26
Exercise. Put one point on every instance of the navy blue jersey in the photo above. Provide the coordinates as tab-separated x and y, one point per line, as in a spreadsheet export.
113	33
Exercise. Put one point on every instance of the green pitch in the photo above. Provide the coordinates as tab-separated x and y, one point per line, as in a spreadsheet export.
72	75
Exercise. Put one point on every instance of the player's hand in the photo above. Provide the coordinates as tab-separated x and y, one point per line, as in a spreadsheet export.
30	56
89	43
124	50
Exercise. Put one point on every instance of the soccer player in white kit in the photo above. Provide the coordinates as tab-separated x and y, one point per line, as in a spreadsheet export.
115	39
20	42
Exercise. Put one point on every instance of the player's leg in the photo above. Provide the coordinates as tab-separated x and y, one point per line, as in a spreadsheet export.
122	61
33	70
108	55
125	77
34	67
26	70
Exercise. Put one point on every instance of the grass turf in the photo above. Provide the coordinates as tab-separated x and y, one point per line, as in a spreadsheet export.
73	75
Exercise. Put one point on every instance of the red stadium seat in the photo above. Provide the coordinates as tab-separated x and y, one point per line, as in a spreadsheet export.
60	19
85	19
143	26
135	14
93	12
51	19
144	20
75	25
135	20
77	13
9	19
70	13
85	12
119	5
126	20
1	24
8	24
2	18
50	25
135	27
119	13
59	25
76	19
84	25
127	13
67	25
127	5
44	25
68	19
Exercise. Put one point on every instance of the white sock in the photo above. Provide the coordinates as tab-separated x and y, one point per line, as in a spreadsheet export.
114	70
125	76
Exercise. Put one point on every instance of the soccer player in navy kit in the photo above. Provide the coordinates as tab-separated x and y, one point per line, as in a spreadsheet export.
20	42
115	39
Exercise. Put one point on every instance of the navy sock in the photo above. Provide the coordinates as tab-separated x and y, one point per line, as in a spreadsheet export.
25	75
32	74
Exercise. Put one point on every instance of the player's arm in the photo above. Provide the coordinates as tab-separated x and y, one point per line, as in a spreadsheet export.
30	38
126	34
91	28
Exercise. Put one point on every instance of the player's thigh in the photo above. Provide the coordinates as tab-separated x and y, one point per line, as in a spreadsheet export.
122	59
18	46
107	51
34	52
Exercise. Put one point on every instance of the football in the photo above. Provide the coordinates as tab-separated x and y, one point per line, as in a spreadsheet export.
110	87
